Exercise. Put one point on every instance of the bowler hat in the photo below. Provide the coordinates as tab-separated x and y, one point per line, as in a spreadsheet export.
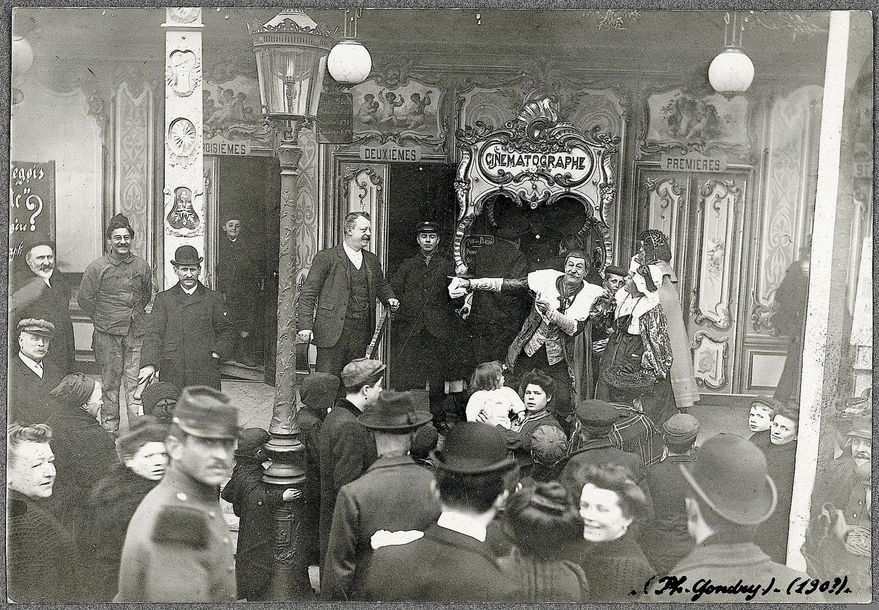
426	227
473	448
37	327
680	428
251	439
595	413
186	255
358	371
207	413
732	479
394	412
862	427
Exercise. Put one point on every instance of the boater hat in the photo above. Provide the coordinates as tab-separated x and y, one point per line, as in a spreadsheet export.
473	448
732	479
206	413
394	412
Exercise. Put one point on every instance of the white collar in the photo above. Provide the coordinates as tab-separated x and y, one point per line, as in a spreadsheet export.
36	367
355	256
189	292
463	524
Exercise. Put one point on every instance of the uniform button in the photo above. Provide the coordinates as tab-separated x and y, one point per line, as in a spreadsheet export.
212	514
182	496
259	502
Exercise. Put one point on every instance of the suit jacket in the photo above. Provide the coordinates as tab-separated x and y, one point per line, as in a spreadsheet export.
327	289
725	563
442	566
35	299
29	400
346	451
393	494
182	331
424	299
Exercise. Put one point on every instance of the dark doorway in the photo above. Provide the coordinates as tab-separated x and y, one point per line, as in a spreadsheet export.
249	189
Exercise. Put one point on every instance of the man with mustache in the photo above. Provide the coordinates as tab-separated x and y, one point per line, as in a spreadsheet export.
181	549
40	293
114	291
31	377
336	308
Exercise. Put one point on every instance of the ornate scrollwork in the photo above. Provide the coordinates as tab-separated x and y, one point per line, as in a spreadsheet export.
290	26
715	353
761	315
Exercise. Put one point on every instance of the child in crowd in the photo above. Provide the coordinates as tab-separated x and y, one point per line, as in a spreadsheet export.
760	418
491	401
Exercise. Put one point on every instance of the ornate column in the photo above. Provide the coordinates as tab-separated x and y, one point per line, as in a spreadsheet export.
183	214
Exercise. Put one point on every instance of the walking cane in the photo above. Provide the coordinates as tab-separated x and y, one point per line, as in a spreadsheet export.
379	327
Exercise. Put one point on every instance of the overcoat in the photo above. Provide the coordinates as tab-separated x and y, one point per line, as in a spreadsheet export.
29	400
442	566
323	299
182	331
602	451
424	299
346	451
178	547
394	494
36	299
666	540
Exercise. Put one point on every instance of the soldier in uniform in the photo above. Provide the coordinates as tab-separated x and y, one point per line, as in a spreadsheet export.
178	547
425	320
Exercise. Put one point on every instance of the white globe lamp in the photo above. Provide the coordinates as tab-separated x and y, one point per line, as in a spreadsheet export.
732	71
349	62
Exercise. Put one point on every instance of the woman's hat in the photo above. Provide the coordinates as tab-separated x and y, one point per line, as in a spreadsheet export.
74	389
732	479
394	412
473	448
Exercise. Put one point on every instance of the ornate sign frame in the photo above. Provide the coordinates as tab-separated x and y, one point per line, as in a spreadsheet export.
536	160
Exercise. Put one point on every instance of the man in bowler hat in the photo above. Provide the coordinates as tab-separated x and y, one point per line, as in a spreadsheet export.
189	332
729	493
31	376
179	548
391	501
451	562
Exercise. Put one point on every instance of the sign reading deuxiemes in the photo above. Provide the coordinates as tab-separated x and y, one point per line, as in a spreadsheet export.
391	153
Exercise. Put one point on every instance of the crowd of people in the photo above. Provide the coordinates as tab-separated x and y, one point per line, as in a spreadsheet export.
568	470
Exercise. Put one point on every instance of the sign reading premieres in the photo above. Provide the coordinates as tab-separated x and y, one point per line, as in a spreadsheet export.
692	162
31	203
497	160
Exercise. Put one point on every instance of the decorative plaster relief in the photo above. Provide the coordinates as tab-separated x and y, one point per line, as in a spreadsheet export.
182	14
664	202
182	220
709	357
182	142
183	72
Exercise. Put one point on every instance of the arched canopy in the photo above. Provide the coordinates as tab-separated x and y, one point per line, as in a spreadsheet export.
535	160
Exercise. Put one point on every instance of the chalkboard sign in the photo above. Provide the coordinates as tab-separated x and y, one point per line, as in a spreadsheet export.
31	203
334	118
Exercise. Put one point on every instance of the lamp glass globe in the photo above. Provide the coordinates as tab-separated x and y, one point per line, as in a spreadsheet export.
732	71
349	62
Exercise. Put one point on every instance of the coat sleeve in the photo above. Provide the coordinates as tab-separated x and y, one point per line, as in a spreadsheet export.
341	559
317	275
224	329
88	290
348	455
384	290
151	353
132	572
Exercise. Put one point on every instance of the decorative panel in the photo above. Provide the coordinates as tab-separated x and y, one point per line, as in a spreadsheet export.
666	199
134	151
489	106
710	358
304	222
362	189
765	370
677	119
718	203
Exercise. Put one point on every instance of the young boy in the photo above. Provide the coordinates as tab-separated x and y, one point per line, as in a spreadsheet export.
763	410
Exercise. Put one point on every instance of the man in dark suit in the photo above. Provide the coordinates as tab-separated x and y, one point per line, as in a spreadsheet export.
393	498
40	293
31	377
729	494
451	562
336	308
346	447
425	321
240	278
188	331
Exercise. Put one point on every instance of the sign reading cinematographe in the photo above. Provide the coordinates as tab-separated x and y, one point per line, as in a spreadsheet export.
391	152
497	161
693	162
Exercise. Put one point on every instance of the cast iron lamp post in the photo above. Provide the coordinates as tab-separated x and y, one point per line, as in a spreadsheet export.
291	59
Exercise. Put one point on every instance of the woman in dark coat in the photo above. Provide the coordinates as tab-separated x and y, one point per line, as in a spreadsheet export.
114	499
84	451
611	558
781	456
543	522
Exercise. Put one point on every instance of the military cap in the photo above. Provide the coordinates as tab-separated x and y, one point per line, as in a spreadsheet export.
680	428
426	227
473	448
358	371
732	479
594	413
186	255
145	429
549	445
862	427
251	439
206	413
394	412
37	327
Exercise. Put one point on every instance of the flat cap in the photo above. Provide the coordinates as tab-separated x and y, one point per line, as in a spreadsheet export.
145	429
767	402
206	413
359	370
549	445
37	327
681	427
426	227
596	413
251	439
